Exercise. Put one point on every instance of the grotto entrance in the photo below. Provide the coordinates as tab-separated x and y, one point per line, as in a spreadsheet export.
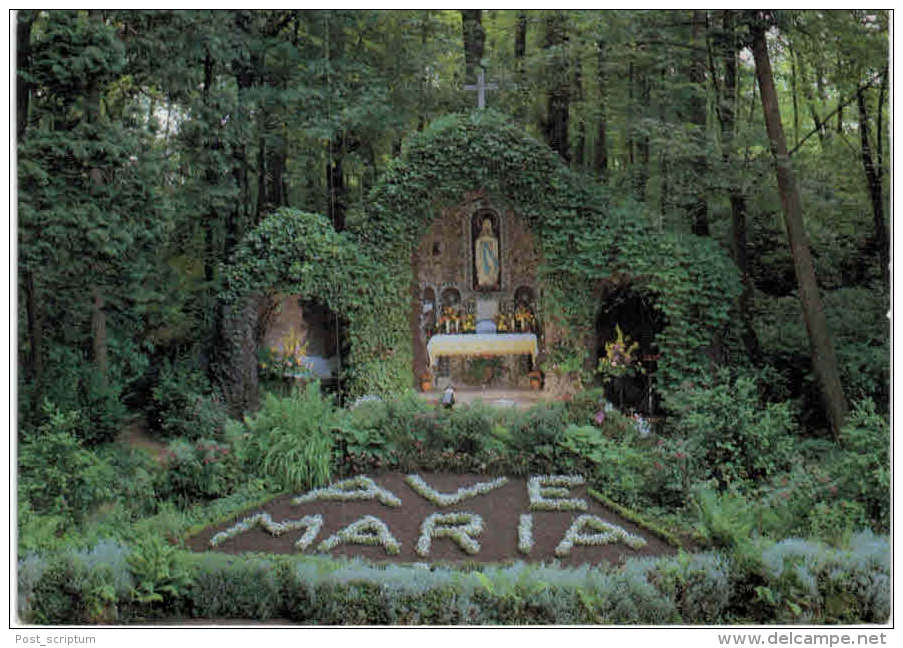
626	353
301	339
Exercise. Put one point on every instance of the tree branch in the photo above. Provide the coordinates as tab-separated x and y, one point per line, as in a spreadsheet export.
850	100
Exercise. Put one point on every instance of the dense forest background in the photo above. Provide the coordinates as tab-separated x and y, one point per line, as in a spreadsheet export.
156	147
150	142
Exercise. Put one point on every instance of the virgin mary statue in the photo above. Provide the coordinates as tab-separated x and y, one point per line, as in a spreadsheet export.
486	257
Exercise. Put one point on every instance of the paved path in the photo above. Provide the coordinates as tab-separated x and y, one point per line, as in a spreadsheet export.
520	398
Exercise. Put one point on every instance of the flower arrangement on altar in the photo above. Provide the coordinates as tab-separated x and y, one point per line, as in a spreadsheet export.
619	359
287	358
524	320
469	323
504	322
450	320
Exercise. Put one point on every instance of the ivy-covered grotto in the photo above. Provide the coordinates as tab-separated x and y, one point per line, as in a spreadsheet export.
479	259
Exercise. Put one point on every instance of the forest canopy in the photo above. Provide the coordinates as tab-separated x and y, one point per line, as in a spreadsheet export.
717	179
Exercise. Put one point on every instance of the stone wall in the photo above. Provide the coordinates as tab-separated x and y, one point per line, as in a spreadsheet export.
443	261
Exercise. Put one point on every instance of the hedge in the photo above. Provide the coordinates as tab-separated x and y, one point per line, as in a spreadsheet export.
792	581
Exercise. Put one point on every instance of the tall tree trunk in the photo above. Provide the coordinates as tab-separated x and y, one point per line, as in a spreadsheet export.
824	360
699	209
873	180
99	332
641	163
335	183
474	39
520	39
580	145
601	159
24	21
794	95
810	100
35	327
728	112
98	316
558	96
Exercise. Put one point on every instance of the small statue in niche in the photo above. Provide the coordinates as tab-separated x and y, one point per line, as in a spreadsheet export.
486	257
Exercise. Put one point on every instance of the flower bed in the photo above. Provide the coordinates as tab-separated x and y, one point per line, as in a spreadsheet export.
506	518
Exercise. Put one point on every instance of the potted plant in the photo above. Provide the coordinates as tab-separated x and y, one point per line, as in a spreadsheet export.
535	377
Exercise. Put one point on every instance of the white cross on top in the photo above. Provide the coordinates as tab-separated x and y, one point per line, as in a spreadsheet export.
481	87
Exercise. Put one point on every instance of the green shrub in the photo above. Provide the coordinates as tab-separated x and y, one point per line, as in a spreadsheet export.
198	470
862	467
75	385
138	476
292	439
183	404
699	584
806	582
75	586
618	469
224	587
728	519
790	581
57	475
160	574
730	436
583	407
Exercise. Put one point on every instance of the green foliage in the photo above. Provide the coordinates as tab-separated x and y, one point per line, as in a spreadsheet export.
159	572
74	385
138	474
57	475
620	469
183	404
805	581
699	584
727	520
300	253
729	436
224	588
82	586
292	439
860	331
788	581
862	467
198	470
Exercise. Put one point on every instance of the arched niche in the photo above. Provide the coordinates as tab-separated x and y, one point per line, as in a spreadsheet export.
429	307
451	297
485	222
631	310
305	330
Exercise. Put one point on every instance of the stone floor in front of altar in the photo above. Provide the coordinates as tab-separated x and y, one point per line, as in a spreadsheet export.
520	398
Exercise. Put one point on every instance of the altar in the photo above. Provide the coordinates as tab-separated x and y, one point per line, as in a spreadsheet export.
482	345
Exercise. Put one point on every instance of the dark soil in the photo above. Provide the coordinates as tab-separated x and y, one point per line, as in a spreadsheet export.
500	509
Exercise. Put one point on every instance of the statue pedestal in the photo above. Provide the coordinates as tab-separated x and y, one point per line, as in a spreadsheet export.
487	308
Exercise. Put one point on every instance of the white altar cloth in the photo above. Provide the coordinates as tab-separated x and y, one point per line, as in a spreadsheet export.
482	344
